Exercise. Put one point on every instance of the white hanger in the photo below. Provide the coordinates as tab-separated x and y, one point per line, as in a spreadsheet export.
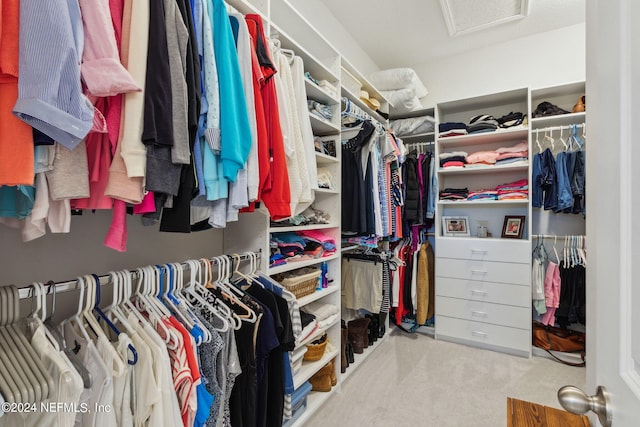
538	142
548	135
555	251
566	147
250	315
192	296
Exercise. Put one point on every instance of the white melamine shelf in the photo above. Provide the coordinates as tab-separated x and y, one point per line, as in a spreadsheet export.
322	127
510	134
356	100
317	93
324	159
358	359
317	295
317	334
302	227
315	400
483	169
559	120
472	239
313	65
245	7
299	264
309	368
483	203
326	190
427	136
349	248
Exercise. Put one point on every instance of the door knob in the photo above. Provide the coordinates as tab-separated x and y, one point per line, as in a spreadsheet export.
578	402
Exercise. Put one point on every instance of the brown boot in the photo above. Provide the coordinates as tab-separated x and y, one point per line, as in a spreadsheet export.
321	380
358	334
344	361
334	378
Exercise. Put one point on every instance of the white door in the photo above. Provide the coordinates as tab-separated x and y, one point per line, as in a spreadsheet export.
613	205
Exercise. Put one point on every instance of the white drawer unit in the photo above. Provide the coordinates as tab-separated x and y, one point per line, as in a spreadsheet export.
502	250
484	333
485	312
483	271
496	293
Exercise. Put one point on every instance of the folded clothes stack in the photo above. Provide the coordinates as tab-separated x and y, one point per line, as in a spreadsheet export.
482	123
501	156
292	246
453	159
517	190
454	194
452	129
483	194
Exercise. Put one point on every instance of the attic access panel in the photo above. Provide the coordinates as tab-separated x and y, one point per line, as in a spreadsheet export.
466	16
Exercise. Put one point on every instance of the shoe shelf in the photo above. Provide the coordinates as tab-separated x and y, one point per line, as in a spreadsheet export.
299	264
322	127
317	295
309	368
358	359
317	334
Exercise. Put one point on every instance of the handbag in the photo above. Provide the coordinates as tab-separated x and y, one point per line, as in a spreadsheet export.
550	339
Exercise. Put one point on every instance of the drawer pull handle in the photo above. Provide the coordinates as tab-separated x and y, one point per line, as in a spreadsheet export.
479	251
479	272
479	313
477	292
479	333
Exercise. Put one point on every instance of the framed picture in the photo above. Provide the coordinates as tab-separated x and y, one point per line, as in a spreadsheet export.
513	226
455	226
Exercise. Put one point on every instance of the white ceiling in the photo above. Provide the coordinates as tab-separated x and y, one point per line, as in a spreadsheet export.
412	32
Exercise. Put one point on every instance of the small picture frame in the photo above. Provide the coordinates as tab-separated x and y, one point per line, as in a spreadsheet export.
455	226
513	226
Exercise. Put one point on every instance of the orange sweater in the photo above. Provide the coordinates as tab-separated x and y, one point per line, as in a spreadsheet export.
16	138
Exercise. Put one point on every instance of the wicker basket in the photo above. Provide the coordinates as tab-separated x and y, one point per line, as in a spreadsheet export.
316	351
303	283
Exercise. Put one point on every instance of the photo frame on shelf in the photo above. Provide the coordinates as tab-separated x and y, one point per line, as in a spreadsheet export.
513	226
455	226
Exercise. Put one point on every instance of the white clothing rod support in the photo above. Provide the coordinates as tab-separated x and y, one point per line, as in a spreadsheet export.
72	285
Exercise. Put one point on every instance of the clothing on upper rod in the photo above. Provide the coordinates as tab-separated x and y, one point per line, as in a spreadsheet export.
190	153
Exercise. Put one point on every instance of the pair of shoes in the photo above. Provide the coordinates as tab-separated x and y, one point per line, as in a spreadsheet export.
581	105
322	380
373	329
357	333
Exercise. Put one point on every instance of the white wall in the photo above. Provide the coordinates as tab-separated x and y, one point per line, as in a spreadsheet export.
545	59
327	25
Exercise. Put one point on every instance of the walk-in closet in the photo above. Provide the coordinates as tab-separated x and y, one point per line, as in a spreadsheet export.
294	213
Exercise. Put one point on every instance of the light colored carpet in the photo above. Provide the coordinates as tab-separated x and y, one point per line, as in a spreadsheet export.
413	380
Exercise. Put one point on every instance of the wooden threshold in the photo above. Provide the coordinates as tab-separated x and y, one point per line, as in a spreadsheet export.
527	414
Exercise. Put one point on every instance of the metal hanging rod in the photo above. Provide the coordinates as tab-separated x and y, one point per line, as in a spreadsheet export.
559	128
555	236
72	285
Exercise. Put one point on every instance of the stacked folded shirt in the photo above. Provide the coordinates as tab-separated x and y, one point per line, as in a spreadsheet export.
482	123
511	155
454	194
454	159
309	326
452	129
325	314
482	158
517	190
484	194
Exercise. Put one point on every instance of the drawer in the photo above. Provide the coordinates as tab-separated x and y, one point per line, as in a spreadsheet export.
497	293
502	336
485	312
518	251
484	271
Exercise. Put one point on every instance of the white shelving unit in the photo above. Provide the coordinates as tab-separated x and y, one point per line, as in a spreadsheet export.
475	275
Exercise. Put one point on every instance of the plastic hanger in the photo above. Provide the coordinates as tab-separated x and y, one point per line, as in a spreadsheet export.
217	285
39	382
192	295
564	143
548	136
538	142
12	385
146	303
250	315
199	332
87	378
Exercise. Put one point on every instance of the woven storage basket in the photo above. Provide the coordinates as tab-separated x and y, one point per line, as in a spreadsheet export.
315	351
301	284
